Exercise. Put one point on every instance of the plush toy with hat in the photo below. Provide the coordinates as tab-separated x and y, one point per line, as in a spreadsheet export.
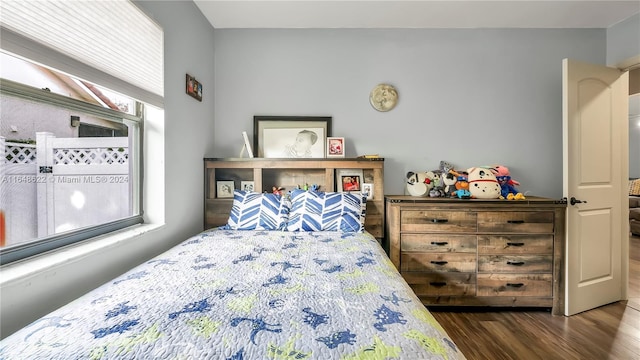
461	185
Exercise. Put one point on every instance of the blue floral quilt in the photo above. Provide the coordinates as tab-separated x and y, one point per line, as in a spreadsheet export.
229	294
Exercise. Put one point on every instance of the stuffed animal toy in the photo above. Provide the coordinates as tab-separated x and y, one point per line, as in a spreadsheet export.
483	183
438	186
462	185
449	180
500	170
445	167
507	185
420	183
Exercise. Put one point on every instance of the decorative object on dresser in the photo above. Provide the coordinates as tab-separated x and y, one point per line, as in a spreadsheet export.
291	136
479	252
420	183
290	174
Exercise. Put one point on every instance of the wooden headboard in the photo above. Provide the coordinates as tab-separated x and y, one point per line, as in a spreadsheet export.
289	173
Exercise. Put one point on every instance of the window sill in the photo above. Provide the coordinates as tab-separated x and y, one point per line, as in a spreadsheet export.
19	270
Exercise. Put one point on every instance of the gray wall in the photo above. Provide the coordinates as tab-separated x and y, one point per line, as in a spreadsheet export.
623	43
184	138
623	40
471	97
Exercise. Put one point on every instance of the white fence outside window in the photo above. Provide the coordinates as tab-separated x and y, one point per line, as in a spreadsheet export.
62	184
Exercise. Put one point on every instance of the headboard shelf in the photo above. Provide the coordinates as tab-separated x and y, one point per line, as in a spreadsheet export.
287	173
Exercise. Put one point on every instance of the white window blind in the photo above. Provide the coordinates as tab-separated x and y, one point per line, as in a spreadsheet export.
110	43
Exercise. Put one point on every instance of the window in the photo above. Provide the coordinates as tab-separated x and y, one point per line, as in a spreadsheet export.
71	136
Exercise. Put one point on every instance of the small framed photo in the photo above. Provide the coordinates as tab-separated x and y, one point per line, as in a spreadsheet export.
225	188
194	88
246	186
348	180
367	188
335	147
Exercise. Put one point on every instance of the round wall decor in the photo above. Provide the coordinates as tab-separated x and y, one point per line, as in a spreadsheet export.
383	97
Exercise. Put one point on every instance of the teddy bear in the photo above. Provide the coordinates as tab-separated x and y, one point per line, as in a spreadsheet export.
483	183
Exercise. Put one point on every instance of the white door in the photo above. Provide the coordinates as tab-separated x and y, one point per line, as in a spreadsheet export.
595	165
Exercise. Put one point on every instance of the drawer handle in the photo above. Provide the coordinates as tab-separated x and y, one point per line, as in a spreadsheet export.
515	221
515	285
515	263
515	244
438	221
439	262
438	283
439	243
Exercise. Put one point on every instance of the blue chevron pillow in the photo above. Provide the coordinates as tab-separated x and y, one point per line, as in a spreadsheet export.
257	211
327	211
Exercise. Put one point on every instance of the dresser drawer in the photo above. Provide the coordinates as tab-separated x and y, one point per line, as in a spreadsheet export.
515	263
438	221
515	285
516	221
438	243
429	262
515	244
442	284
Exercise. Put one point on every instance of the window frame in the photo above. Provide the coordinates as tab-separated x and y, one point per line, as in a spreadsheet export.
42	245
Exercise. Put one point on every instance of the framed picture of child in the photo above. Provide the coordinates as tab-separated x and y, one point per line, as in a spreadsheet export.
291	136
335	147
348	180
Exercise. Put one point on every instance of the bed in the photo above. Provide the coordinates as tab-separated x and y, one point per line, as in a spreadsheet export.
256	288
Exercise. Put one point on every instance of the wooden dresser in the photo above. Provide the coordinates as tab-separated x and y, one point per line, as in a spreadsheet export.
457	252
289	173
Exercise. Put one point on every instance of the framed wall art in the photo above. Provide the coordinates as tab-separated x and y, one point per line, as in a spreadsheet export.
225	188
194	88
291	136
335	147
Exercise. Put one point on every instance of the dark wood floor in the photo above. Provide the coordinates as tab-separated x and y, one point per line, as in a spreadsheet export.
608	332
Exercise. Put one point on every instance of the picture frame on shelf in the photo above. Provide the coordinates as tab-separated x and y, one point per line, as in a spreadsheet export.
368	189
349	180
335	147
247	186
246	146
224	188
291	136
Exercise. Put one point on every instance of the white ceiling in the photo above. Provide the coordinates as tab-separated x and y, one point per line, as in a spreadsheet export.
416	13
